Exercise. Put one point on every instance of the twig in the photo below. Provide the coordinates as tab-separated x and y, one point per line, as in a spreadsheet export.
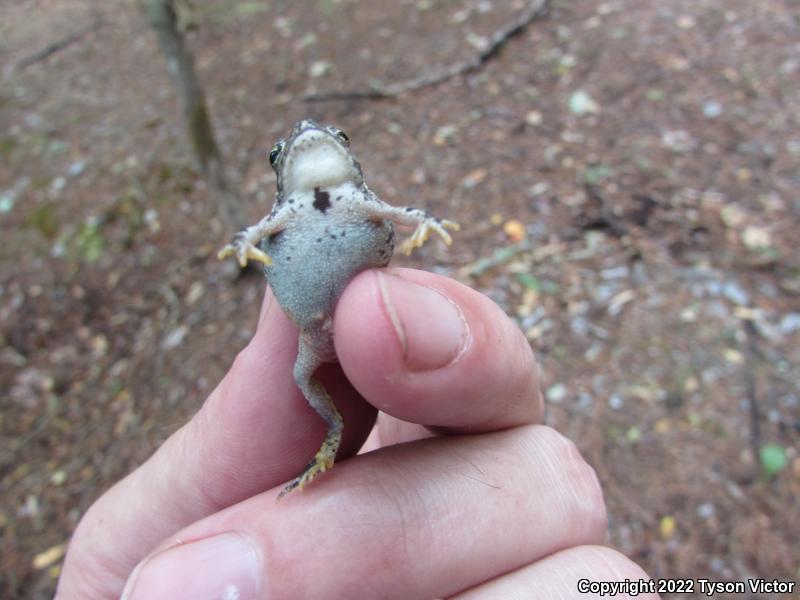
499	257
748	373
379	91
51	49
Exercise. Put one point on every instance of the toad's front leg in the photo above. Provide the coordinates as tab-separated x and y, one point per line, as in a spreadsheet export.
307	362
243	244
423	231
426	224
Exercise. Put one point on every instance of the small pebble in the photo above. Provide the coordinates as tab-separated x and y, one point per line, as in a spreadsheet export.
790	323
76	168
706	510
615	272
712	110
735	293
556	392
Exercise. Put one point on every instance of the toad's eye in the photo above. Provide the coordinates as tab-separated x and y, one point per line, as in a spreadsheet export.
275	153
340	134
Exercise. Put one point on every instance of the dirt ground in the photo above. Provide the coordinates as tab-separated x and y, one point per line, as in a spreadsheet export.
627	175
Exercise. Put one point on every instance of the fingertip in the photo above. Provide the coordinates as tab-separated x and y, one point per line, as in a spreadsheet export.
578	572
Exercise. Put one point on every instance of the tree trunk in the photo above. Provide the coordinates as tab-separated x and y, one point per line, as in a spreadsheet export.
163	18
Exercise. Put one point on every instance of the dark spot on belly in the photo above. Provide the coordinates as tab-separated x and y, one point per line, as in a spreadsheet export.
322	200
390	237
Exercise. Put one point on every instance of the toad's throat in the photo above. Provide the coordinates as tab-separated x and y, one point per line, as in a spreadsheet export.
319	168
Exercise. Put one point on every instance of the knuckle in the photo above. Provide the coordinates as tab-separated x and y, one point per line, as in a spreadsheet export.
246	360
585	503
87	572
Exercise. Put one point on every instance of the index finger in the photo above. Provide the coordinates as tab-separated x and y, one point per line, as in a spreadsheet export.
429	350
252	433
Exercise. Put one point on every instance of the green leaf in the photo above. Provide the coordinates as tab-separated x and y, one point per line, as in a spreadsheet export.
44	219
773	459
551	288
633	435
596	174
251	8
90	241
529	281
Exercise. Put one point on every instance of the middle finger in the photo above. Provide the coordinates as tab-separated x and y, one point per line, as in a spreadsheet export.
419	520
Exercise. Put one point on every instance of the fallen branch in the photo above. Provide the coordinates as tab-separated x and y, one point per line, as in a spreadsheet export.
58	45
536	10
498	257
748	372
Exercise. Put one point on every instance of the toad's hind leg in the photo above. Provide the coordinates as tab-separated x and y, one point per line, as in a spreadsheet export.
304	367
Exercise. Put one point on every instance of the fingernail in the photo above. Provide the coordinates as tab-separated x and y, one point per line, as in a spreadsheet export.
431	328
223	567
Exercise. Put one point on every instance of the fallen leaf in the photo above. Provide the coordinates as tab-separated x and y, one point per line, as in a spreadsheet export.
620	300
319	68
533	118
733	356
666	527
733	216
473	178
756	237
196	291
515	230
48	557
444	134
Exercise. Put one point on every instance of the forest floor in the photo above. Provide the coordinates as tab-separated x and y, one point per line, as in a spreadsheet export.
627	177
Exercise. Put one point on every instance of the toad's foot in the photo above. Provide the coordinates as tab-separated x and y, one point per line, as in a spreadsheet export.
424	230
243	250
319	464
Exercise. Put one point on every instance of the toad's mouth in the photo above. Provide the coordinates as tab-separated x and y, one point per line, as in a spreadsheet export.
316	160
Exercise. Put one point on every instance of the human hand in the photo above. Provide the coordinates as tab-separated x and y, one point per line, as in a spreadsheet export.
481	501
